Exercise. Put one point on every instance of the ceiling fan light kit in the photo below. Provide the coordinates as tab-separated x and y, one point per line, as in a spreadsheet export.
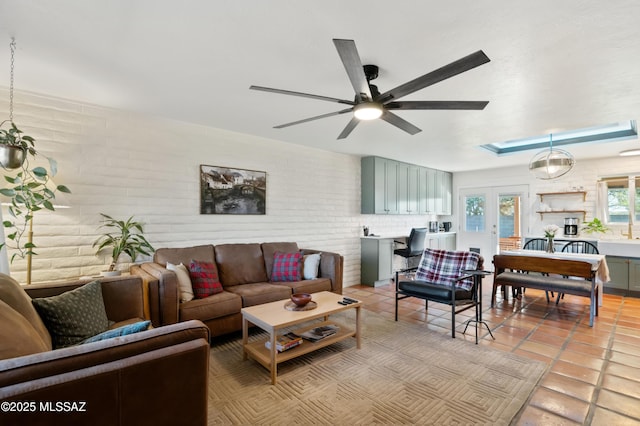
367	111
370	104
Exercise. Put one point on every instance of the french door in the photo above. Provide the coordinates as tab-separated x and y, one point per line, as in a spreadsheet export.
493	218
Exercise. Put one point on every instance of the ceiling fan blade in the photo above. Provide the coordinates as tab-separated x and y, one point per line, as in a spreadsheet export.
400	123
349	128
461	65
304	95
468	105
317	117
353	65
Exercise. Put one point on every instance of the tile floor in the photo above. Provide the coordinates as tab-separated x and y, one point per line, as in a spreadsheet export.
594	372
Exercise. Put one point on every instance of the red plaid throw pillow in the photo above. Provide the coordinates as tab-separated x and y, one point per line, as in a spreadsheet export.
204	279
286	267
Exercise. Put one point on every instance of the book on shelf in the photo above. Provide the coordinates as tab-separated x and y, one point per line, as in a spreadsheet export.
320	333
285	342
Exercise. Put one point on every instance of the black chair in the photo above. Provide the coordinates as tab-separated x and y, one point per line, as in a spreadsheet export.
580	247
539	244
447	272
414	245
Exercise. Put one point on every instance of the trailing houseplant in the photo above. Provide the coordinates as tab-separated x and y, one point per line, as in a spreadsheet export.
123	237
30	190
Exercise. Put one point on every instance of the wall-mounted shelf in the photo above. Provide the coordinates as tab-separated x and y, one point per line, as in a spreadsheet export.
551	194
582	212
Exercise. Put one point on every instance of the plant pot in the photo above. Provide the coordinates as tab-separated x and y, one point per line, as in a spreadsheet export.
110	273
12	156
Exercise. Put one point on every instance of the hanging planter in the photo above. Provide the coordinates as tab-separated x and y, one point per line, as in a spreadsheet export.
11	156
14	145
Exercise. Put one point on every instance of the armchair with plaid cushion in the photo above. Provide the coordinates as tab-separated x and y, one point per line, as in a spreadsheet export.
443	276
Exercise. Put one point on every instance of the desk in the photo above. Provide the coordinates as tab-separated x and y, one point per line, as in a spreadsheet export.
376	259
598	263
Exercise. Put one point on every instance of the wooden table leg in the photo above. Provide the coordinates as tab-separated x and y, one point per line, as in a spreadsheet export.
245	337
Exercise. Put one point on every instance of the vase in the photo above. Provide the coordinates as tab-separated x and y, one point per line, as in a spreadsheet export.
550	245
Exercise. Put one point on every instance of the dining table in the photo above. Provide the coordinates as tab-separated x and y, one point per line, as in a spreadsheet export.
598	263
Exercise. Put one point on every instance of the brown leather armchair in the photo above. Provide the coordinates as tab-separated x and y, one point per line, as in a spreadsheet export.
138	379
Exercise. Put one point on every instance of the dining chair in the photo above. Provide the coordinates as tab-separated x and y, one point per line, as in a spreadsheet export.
580	247
539	244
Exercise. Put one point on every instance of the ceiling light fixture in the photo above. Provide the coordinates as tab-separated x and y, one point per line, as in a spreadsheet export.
367	111
629	152
551	163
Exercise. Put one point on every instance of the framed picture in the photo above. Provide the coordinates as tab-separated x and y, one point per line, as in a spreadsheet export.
224	190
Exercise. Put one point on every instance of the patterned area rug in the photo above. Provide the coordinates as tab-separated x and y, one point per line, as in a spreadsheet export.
403	374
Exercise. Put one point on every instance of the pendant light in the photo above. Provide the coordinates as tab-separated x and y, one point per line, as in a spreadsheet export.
551	163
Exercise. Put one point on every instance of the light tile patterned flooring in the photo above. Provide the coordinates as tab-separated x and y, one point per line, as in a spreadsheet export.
594	372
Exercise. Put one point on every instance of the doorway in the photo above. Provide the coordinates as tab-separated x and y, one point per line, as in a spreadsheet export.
493	218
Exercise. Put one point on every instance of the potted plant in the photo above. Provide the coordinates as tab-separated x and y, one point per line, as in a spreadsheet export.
594	226
123	237
30	190
14	146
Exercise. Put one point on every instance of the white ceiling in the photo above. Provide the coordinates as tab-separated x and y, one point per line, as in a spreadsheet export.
555	65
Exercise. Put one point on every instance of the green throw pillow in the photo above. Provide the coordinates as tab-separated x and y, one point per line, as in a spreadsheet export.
73	316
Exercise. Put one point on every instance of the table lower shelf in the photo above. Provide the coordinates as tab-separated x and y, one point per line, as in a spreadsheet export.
260	353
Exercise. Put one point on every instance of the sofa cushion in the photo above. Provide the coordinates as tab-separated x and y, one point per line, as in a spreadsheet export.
308	286
185	289
240	264
269	249
204	279
310	266
75	315
259	293
184	255
120	331
216	306
17	336
286	267
12	293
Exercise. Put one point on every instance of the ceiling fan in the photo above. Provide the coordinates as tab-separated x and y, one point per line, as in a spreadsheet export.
370	104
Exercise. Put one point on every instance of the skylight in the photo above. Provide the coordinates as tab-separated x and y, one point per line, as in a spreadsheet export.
623	130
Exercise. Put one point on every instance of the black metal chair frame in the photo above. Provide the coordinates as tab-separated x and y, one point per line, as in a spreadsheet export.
475	301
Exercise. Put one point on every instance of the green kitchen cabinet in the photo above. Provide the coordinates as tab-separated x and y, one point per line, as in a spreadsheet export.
624	273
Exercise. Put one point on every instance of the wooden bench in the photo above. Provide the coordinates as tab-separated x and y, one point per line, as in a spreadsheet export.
569	277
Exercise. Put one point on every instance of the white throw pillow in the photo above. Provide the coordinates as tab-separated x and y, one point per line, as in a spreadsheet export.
184	281
311	266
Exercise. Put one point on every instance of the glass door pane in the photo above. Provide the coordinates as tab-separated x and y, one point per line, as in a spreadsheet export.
475	216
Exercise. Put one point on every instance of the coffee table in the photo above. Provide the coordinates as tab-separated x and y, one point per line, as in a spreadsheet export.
272	317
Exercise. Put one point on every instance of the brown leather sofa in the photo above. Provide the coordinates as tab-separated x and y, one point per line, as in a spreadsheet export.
245	274
110	382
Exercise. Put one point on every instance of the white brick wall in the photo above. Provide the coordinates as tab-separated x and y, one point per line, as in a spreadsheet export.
124	164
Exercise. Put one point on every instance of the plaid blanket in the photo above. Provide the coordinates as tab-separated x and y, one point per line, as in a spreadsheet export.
443	267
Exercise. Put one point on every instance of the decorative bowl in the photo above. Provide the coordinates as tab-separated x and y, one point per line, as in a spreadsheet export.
301	299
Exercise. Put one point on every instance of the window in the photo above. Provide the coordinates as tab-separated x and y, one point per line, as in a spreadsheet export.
622	199
475	213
